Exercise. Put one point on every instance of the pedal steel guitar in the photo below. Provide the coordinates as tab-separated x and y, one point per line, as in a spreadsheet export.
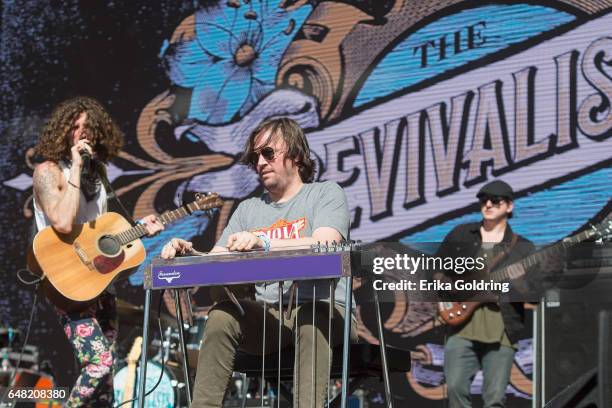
327	262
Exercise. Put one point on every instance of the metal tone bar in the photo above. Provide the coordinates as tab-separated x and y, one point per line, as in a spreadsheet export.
347	339
383	352
143	355
179	318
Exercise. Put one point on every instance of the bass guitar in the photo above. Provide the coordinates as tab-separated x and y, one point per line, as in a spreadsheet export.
458	313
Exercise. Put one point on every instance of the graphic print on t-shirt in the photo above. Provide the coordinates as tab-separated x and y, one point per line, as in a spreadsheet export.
283	229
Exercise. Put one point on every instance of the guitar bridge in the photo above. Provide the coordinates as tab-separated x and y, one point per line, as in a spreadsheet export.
83	256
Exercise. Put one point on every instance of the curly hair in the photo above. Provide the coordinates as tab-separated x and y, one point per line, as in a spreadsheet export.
55	141
297	145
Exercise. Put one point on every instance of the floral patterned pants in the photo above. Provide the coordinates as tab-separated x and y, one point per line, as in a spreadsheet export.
92	334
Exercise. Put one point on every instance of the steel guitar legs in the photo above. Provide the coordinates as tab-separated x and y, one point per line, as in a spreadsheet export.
227	331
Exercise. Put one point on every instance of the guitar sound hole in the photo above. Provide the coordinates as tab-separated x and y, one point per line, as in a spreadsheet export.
109	246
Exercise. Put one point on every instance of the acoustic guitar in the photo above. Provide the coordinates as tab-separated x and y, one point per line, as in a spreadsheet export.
77	267
458	313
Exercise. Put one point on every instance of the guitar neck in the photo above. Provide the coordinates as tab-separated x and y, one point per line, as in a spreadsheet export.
503	274
166	218
128	391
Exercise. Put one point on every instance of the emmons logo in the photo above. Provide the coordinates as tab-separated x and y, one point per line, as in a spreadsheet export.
169	276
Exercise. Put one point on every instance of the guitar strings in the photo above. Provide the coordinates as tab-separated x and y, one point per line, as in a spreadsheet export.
288	247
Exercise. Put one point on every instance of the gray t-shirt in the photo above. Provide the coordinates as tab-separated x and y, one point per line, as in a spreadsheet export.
320	204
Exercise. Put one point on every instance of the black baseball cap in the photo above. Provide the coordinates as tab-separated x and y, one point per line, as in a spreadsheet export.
496	188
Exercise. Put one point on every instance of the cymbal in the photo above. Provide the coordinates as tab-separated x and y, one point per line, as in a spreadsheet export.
134	315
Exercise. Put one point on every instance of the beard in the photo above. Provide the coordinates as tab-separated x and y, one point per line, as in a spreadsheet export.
272	184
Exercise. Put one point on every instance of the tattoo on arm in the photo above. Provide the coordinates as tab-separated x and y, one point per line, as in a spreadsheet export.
46	187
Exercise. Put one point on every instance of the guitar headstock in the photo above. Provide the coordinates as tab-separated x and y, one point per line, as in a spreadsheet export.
134	354
602	229
207	201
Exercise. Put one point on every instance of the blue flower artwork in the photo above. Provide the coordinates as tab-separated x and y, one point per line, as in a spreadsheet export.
232	60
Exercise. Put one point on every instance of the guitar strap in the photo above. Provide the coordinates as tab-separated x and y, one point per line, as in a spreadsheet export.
111	192
504	253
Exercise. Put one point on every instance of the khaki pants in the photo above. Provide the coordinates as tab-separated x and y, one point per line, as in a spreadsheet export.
226	332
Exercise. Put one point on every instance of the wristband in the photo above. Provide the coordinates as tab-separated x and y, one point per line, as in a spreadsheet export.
73	185
265	239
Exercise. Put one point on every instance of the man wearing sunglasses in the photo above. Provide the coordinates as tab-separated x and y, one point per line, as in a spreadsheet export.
293	212
487	341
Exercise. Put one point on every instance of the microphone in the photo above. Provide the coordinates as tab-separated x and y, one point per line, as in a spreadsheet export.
86	158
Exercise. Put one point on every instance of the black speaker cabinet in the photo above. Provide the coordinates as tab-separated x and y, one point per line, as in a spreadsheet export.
577	341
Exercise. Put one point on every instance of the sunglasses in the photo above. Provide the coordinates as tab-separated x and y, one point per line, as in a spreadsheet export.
495	200
267	152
